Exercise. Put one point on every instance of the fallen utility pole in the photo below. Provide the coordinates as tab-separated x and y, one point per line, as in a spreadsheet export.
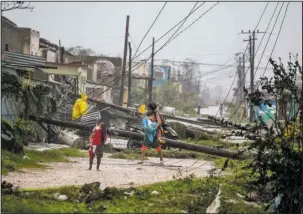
201	121
123	133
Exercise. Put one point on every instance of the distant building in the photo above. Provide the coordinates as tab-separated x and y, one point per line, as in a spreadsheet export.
104	78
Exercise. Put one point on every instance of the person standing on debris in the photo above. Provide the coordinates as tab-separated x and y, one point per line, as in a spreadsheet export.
80	107
97	139
150	127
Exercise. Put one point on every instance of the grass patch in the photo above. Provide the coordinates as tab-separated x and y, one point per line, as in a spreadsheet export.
189	194
12	162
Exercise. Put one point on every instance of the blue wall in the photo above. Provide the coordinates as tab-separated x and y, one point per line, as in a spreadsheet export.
160	68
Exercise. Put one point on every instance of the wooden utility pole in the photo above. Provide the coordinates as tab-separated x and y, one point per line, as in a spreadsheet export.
150	85
239	91
243	74
129	75
134	135
251	40
301	120
124	61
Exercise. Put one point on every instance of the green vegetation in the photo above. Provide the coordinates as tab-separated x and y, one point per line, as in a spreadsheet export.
13	162
190	195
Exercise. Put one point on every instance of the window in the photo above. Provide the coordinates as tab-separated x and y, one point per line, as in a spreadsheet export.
90	75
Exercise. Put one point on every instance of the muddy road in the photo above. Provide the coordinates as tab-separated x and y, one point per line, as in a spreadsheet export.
113	172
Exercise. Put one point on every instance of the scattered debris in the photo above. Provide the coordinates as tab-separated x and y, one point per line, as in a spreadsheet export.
62	197
232	201
240	196
155	192
252	203
26	157
129	193
215	205
251	196
90	192
8	188
56	195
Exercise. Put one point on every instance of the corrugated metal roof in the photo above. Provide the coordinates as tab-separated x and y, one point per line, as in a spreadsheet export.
23	60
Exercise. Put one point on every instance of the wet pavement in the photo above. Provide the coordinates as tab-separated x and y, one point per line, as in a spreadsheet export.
113	172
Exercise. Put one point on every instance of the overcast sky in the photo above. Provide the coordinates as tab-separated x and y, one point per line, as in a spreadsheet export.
214	38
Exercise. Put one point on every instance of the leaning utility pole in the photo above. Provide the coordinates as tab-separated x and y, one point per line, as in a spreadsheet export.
150	85
124	61
251	40
239	91
129	75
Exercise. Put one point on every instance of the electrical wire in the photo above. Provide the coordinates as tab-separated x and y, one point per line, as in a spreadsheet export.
118	78
207	73
163	45
167	32
262	53
244	54
171	37
197	63
176	35
261	58
149	29
271	51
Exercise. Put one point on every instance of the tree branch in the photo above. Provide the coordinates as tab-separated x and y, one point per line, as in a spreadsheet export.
7	6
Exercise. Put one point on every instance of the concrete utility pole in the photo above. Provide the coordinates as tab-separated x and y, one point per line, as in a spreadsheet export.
124	61
251	40
129	75
150	85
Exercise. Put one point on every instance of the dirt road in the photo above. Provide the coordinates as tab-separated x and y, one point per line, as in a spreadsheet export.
114	172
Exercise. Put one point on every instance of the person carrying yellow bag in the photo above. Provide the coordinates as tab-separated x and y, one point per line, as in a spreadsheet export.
80	107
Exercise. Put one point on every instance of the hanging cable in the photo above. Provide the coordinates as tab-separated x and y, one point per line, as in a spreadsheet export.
167	32
263	51
265	48
244	54
118	78
149	29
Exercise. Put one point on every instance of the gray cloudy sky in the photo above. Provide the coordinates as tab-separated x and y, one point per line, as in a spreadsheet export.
214	38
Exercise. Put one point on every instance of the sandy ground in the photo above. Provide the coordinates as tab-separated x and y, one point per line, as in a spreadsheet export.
114	172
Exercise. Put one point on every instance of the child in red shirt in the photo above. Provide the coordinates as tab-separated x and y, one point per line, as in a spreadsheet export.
97	139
